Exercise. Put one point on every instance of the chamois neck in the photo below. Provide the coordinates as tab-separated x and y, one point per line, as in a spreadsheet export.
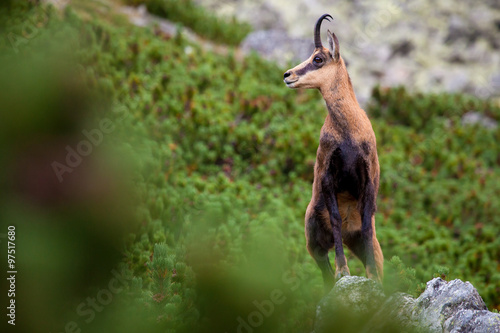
339	88
340	99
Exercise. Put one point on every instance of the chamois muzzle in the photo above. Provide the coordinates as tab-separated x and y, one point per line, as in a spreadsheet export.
317	37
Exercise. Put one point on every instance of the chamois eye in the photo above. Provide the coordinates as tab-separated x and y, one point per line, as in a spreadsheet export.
318	60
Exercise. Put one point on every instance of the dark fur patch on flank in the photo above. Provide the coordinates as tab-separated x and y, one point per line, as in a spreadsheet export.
366	147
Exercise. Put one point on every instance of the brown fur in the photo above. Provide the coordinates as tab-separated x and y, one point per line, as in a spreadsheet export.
347	130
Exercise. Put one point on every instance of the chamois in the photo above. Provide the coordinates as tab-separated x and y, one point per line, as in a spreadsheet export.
346	172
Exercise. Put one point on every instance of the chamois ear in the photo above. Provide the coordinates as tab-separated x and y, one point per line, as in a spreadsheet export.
334	45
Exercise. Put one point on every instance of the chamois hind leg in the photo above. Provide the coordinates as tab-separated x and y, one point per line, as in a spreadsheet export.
355	243
318	244
379	256
373	261
331	203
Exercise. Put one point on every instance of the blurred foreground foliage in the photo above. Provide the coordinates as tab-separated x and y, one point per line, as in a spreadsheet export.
206	176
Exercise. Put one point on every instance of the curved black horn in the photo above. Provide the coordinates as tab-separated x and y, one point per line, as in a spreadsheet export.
317	37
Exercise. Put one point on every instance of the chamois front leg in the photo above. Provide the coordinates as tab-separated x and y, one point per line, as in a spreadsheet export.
320	255
367	208
330	198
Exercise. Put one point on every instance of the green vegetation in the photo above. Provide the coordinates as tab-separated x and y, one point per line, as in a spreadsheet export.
398	106
438	188
203	22
222	157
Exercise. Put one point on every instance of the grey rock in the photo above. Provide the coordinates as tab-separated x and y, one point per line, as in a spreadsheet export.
456	80
360	294
396	313
59	4
495	81
473	321
357	304
259	13
269	18
140	16
473	118
278	46
351	297
441	300
137	15
457	28
398	74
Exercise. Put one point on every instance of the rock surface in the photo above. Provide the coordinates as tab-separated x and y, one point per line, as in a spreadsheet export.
473	118
442	301
278	45
357	304
395	313
350	295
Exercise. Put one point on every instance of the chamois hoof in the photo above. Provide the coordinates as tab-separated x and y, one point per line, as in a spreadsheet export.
344	272
375	278
372	274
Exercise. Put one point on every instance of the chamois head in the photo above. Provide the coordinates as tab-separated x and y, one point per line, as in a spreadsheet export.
321	65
